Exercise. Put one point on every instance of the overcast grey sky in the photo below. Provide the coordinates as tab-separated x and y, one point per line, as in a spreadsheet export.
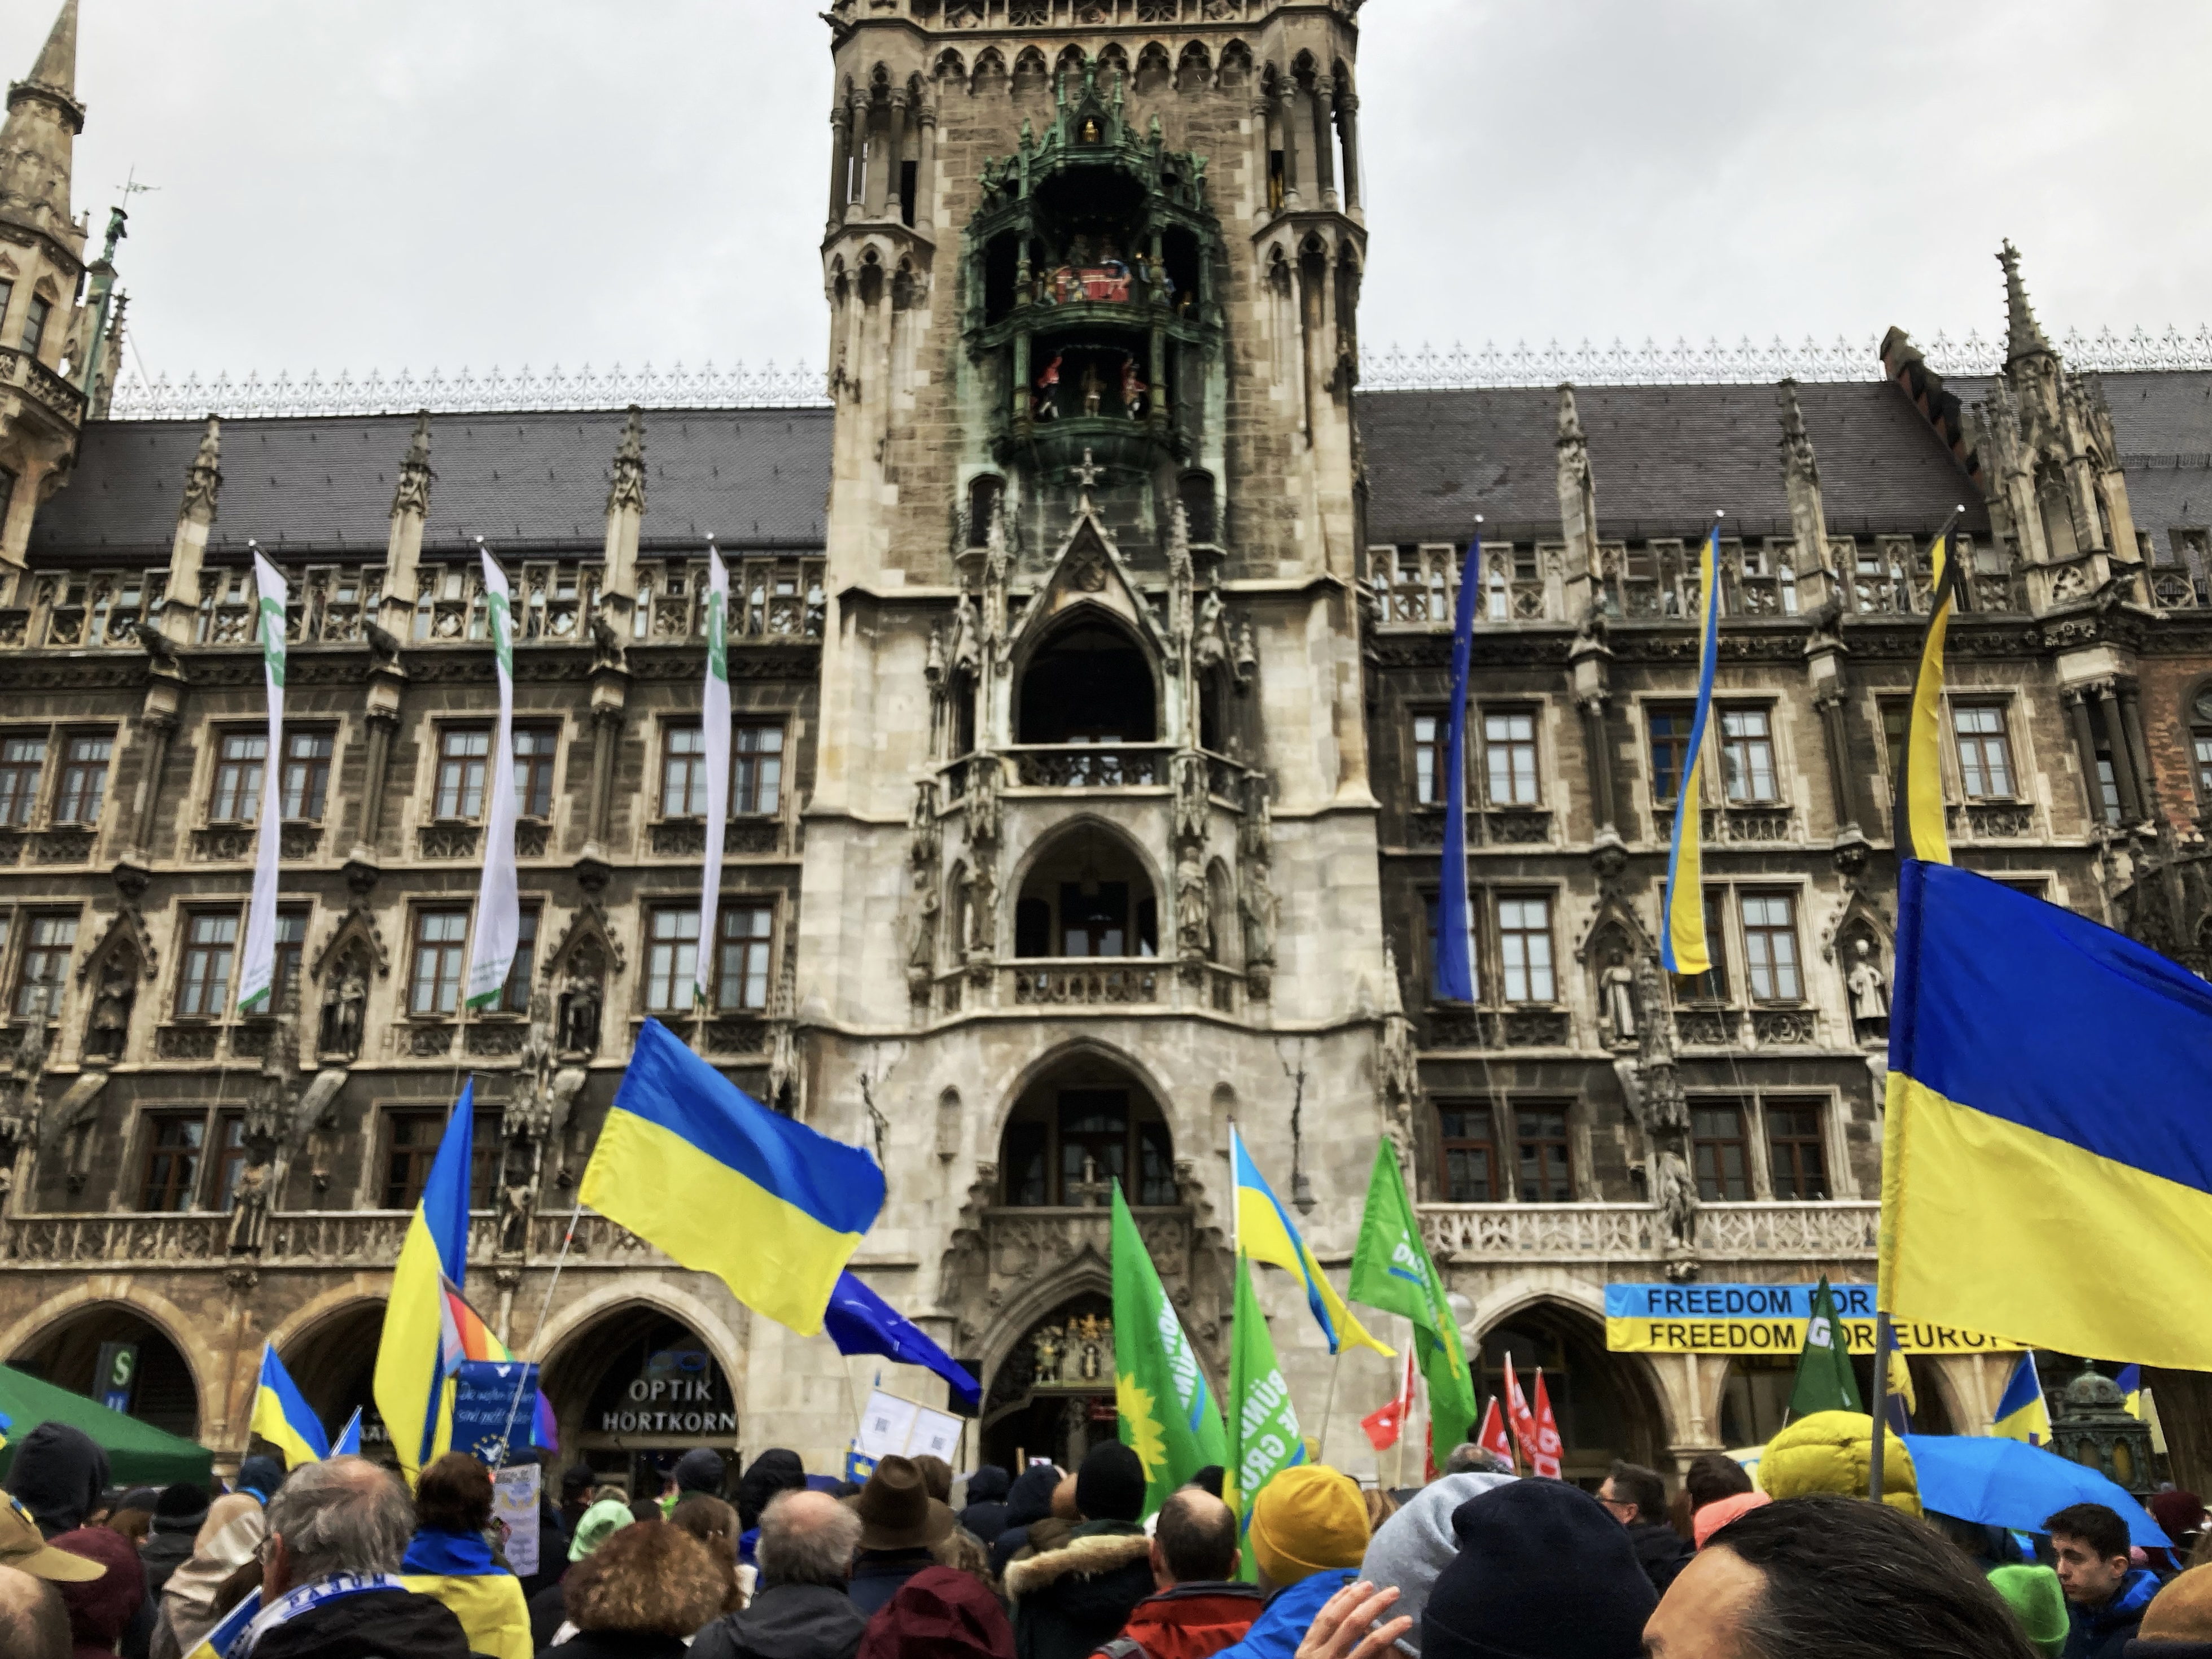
420	183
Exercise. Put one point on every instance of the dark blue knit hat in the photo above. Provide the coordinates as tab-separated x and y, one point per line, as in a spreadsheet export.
1542	1572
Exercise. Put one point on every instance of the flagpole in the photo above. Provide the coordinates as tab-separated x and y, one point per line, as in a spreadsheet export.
1881	1404
1329	1407
536	1331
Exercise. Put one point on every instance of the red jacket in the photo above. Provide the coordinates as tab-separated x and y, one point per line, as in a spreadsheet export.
1191	1621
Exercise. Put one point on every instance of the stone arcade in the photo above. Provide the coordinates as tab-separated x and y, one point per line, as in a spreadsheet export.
1089	654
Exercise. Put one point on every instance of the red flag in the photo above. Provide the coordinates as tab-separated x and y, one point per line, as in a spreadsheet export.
1491	1438
1545	1463
1518	1414
1385	1423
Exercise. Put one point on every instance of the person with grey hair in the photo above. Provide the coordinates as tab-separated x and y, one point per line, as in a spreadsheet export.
807	1539
329	1573
1467	1458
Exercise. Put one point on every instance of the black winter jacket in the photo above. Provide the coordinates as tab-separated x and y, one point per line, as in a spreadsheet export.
786	1621
374	1624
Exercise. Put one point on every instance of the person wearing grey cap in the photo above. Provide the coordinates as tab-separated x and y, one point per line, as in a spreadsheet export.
1413	1545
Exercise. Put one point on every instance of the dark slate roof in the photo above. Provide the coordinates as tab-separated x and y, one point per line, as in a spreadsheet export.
1664	457
752	476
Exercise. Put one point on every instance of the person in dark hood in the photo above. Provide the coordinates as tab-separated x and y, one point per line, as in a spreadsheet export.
986	1514
1069	1600
1028	1501
58	1475
259	1475
941	1612
580	1485
774	1470
801	1610
179	1514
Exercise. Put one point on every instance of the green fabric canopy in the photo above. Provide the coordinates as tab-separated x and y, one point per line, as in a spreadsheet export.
138	1454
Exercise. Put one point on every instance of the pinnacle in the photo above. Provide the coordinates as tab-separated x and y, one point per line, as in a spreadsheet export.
2024	336
56	66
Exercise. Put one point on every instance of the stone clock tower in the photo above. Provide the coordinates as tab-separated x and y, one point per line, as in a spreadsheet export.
1093	782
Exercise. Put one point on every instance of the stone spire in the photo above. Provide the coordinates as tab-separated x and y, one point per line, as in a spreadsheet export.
2024	336
38	140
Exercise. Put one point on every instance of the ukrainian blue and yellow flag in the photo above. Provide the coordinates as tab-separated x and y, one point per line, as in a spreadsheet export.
1265	1232
1454	963
282	1417
231	1625
2130	1383
1682	948
2046	1119
1918	789
410	1385
2022	1413
696	1167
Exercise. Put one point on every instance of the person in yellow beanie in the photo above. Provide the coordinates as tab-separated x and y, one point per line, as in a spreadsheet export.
1308	1534
1833	1452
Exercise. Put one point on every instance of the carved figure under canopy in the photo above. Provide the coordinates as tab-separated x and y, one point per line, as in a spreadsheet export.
1617	985
111	1007
580	1004
1869	990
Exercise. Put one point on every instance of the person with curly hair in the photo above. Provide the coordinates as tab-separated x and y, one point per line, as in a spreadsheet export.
640	1594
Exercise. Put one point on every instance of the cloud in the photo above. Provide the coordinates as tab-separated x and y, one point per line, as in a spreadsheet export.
410	184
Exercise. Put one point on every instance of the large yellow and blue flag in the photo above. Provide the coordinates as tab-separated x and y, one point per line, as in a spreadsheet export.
693	1165
1265	1232
410	1384
1682	947
2130	1383
282	1417
2022	1413
2045	1119
1455	964
1919	791
219	1641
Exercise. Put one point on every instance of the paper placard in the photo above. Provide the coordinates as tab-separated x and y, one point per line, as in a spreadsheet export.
514	1506
892	1427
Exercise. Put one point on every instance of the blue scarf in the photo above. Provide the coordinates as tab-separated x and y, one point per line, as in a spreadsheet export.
291	1605
449	1555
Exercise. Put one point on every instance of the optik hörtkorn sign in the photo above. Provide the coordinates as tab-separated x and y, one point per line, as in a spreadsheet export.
1760	1319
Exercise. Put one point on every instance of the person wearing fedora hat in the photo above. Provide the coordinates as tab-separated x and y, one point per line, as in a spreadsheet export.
899	1523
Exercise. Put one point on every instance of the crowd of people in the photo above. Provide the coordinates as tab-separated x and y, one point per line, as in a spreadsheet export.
1476	1563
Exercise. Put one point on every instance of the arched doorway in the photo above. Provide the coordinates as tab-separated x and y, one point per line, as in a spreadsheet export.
1079	1126
156	1381
334	1362
1755	1396
1053	1395
1086	894
1605	1404
1090	683
633	1390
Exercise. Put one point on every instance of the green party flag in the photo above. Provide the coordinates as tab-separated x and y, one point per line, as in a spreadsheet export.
1825	1383
1391	1269
1263	1426
1167	1414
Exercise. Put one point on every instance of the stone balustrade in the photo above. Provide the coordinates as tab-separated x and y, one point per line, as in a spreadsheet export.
1629	1234
348	1241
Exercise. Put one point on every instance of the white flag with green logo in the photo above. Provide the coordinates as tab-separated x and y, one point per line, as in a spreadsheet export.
258	976
499	911
716	716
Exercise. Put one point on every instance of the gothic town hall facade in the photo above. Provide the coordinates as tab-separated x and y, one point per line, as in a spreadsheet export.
1090	657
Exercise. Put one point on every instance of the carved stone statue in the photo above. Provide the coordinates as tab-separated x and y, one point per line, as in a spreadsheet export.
1047	1346
516	1202
921	948
966	647
249	1211
1675	1190
983	799
1193	933
932	665
1246	657
1209	643
1617	993
1190	797
1869	989
580	1001
110	1025
345	1000
982	909
1258	907
1181	575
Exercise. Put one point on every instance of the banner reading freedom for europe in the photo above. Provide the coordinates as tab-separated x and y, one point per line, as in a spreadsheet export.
1760	1319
